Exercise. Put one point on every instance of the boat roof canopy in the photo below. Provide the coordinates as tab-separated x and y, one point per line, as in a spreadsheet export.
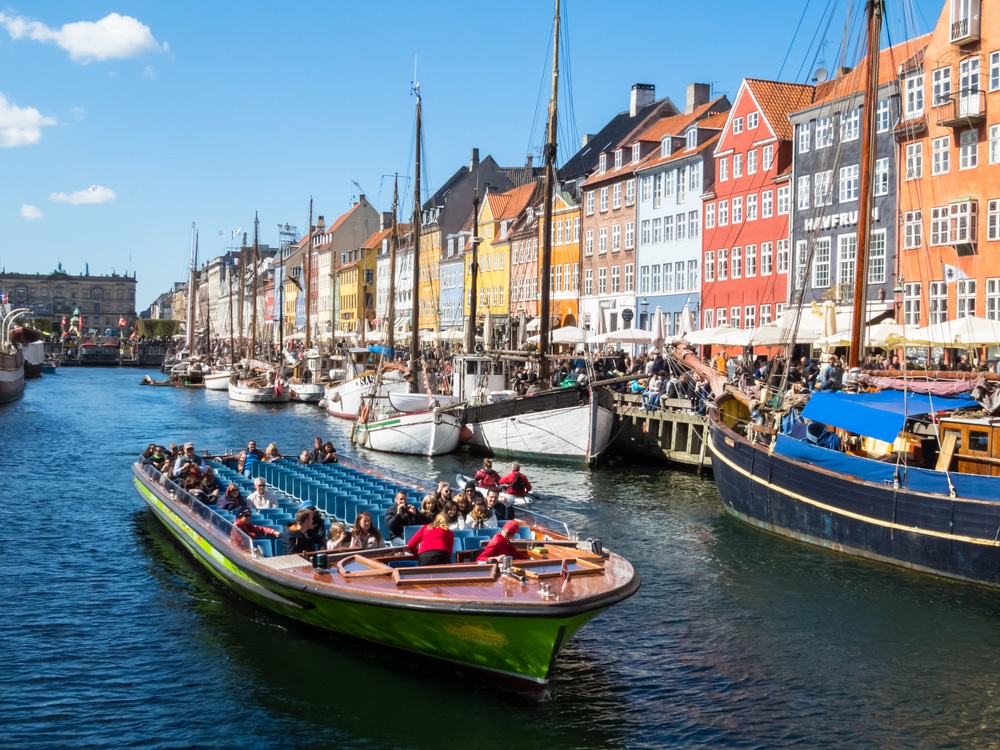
881	415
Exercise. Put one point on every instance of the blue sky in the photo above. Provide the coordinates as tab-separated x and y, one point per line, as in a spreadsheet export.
121	123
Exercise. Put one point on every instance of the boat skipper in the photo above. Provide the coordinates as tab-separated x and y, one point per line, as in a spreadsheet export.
187	462
516	483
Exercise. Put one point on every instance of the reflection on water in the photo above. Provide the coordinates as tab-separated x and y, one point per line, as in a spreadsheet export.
113	636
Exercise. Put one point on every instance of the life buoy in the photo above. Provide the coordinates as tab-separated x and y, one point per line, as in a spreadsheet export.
365	411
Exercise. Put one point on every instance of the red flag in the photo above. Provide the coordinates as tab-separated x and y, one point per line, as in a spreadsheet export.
122	322
277	387
64	321
564	576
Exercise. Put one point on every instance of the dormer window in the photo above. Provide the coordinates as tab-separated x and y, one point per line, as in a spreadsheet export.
635	153
665	146
602	163
618	158
691	138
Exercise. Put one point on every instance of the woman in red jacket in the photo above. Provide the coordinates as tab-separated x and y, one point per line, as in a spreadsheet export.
502	546
432	544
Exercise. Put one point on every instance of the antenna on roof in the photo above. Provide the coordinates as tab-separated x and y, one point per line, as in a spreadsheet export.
821	75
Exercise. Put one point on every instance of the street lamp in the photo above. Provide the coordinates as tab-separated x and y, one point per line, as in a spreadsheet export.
897	295
644	303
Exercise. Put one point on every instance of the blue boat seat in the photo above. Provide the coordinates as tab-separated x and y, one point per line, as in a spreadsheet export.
409	531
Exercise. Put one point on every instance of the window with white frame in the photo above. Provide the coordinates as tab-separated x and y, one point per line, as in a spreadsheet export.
767	157
752	207
913	96
750	261
940	155
709	265
694	176
559	232
765	314
737	165
882	116
618	158
602	240
691	138
709	215
693	275
658	190
752	120
681	226
629	277
644	231
635	152
802	186
766	258
709	318
723	169
968	149
602	163
749	317
849	183
590	202
911	303
630	192
735	316
940	87
604	199
629	235
939	302
616	279
657	278
782	250
644	280
850	124
968	86
588	243
801	253
668	229
993	299
616	238
679	276
670	183
693	224
722	265
993	148
965	298
881	186
602	281
555	280
785	199
588	281
658	229
994	71
752	161
939	226
665	146
954	224
576	229
723	213
736	263
914	161
682	184
647	188
823	188
766	204
616	196
737	125
824	132
913	230
847	252
720	316
737	209
804	132
993	220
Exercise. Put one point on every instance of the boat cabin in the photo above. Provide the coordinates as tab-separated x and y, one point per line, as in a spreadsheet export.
480	379
970	446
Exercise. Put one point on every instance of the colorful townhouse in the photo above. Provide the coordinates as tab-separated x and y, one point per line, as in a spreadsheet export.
746	212
564	284
347	234
671	179
949	151
356	281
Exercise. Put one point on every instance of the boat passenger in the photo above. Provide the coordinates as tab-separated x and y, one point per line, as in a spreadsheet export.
329	454
232	499
465	501
443	494
318	530
401	514
487	476
261	498
501	511
429	508
248	458
470	494
271	453
365	535
516	483
305	457
456	520
339	537
433	543
188	462
297	537
317	451
209	486
502	546
252	530
481	516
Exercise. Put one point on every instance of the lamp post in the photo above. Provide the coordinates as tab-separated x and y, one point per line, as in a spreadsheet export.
644	304
897	295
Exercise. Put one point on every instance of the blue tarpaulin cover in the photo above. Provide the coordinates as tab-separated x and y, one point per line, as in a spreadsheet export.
880	415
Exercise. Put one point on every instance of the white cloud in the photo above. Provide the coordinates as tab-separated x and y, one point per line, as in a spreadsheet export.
113	37
31	213
20	126
93	194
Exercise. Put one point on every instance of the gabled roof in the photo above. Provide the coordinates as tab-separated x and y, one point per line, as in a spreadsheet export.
375	240
654	159
889	62
777	100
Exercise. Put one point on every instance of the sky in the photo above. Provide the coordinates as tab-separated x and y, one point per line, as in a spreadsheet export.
122	123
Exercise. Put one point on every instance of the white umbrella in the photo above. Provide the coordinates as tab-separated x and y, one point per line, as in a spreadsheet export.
960	332
565	335
687	324
488	330
829	326
882	335
522	330
725	335
630	336
658	335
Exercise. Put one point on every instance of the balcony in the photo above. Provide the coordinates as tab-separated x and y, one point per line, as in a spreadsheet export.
964	21
965	110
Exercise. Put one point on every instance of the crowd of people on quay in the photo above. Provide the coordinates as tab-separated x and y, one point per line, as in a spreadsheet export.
439	515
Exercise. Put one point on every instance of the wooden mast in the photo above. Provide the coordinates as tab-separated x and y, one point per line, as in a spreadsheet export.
242	267
417	218
390	312
232	349
307	270
550	184
873	10
192	291
253	294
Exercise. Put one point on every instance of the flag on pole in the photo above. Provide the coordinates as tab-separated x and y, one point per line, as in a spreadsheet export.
564	576
953	273
237	232
277	386
122	322
3	298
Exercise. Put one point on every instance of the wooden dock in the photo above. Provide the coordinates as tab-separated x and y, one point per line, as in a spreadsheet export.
673	432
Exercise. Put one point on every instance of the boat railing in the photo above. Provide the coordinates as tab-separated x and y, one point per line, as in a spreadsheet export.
404	479
218	524
543	523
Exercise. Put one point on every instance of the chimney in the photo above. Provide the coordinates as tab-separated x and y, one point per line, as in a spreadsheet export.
586	139
643	94
361	198
384	220
475	160
320	226
529	162
697	94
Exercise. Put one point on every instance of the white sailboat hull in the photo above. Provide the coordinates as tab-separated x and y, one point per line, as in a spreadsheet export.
218	381
258	394
307	392
429	433
344	399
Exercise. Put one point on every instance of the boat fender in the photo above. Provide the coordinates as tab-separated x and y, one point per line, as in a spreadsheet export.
335	398
365	412
466	434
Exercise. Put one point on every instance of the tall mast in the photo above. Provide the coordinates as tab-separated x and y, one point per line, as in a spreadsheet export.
873	11
470	333
232	350
242	267
192	290
550	186
415	315
390	313
307	270
253	293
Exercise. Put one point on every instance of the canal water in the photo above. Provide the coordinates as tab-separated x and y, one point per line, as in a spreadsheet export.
113	637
